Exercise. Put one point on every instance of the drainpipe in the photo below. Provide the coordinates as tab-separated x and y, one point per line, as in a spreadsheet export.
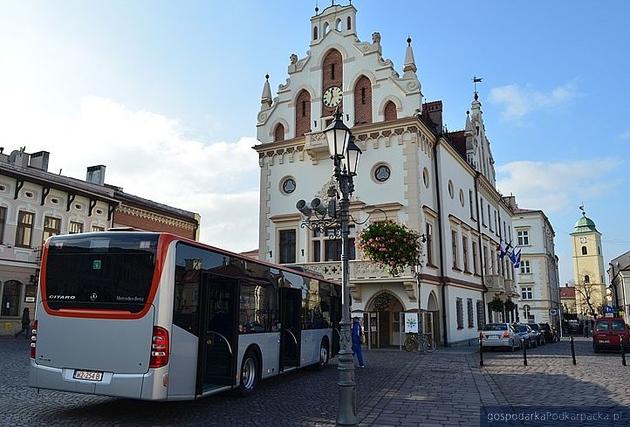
481	263
439	209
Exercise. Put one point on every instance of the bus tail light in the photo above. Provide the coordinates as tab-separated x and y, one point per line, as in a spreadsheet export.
33	339
159	348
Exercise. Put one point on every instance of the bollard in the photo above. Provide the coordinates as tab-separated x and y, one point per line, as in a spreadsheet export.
623	352
573	351
480	349
524	354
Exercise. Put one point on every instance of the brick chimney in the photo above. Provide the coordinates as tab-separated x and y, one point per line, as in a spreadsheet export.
96	175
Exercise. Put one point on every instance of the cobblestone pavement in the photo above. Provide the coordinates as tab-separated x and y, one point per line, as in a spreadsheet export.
550	378
303	397
397	388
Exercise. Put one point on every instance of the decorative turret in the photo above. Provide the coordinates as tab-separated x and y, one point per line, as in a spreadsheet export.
265	99
410	64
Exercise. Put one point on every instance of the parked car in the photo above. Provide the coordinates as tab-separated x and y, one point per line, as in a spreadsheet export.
549	333
499	335
574	327
528	337
540	337
609	332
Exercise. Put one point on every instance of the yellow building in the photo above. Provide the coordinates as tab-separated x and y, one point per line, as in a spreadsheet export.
588	268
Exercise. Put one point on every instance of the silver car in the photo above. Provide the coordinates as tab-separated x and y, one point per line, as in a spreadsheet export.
499	335
528	336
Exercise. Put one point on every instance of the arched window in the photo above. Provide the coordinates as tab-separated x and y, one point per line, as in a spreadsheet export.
326	28
587	279
349	23
390	111
584	250
526	311
363	101
302	113
338	24
314	33
332	75
278	133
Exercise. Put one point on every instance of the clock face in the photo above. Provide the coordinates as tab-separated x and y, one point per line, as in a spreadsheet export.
582	239
333	96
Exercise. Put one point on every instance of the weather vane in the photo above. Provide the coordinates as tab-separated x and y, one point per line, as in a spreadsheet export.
475	81
581	207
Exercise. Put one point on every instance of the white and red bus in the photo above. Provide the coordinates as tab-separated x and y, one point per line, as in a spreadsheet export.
154	316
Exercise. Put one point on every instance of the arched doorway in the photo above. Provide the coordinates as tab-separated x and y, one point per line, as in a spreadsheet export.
431	321
382	320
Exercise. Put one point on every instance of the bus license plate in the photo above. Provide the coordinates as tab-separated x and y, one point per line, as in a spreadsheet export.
88	375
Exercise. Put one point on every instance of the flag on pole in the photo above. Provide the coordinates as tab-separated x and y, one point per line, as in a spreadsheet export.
503	249
515	257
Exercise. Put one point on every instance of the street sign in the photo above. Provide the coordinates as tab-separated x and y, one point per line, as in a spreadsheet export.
608	309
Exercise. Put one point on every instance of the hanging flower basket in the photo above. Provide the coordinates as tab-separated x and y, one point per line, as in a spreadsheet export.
496	305
390	245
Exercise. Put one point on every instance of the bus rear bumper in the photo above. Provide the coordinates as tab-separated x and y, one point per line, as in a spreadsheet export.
117	385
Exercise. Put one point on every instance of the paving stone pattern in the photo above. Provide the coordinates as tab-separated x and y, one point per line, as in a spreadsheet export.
397	388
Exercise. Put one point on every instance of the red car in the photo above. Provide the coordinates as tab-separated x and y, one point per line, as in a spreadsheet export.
609	332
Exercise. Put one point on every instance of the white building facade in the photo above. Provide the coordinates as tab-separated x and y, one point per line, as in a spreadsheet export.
538	277
412	171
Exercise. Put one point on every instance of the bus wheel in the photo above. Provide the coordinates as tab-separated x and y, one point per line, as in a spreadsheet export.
324	355
249	374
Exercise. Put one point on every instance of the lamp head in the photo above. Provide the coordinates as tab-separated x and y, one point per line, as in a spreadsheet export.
337	135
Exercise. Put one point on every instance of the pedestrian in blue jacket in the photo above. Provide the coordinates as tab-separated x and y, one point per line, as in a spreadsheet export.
356	341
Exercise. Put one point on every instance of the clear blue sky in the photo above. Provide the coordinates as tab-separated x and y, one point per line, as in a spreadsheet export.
555	92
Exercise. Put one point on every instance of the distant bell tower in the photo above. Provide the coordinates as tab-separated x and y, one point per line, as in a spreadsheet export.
588	266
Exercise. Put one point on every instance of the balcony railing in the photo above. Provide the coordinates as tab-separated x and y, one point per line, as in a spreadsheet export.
359	270
495	283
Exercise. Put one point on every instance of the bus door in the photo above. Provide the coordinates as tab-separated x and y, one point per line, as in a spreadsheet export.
217	343
290	306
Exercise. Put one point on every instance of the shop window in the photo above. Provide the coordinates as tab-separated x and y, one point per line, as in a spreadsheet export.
11	298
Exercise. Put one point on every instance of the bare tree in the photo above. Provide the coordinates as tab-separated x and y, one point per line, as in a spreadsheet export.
586	292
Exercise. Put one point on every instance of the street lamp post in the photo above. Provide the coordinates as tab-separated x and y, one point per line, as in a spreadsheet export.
345	155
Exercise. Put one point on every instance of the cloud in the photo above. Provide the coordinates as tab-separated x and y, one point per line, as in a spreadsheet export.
625	135
518	101
151	156
554	186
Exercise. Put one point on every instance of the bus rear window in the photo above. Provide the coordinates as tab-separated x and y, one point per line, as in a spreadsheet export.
109	271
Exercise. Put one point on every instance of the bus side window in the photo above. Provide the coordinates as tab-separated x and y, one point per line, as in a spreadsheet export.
258	308
186	302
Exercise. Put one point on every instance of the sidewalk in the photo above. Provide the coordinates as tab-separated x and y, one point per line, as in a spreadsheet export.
440	388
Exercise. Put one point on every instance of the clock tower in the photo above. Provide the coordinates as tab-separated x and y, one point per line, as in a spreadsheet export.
588	267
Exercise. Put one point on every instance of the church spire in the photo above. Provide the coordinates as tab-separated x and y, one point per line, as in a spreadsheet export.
410	64
265	99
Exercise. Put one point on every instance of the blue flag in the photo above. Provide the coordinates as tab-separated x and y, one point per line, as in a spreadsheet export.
515	257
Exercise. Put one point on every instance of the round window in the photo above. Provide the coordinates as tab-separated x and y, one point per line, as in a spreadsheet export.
288	185
382	173
450	188
425	177
54	201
